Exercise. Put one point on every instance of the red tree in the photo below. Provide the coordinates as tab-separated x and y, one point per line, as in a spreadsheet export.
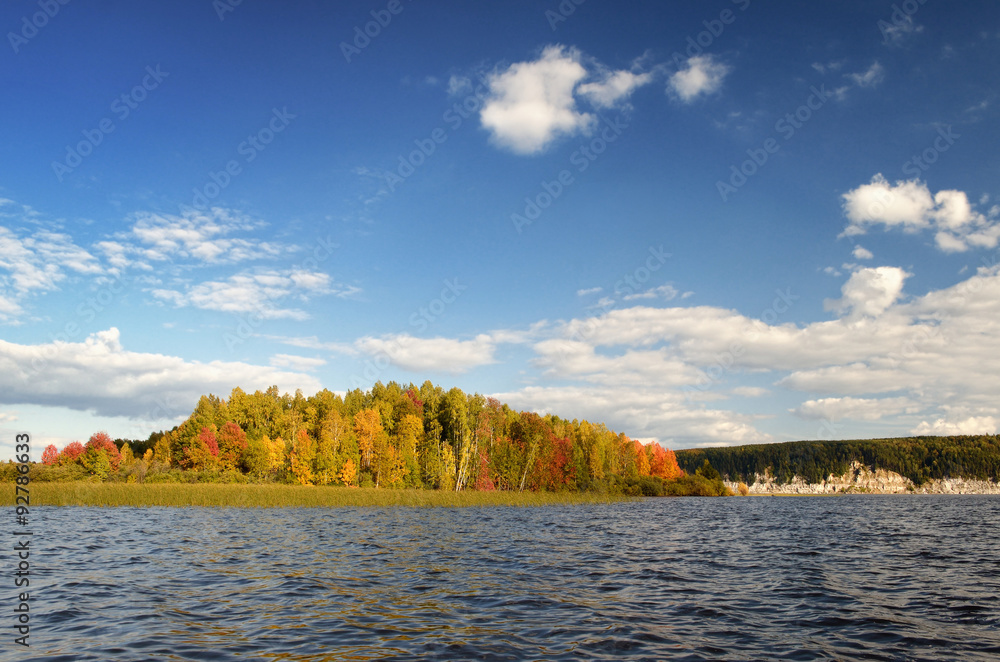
72	452
207	437
641	458
202	451
232	445
663	464
418	404
554	469
102	441
50	455
483	481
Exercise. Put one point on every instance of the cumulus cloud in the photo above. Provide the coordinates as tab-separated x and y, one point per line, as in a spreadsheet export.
613	87
865	409
938	348
869	291
911	207
661	372
563	358
643	412
972	425
300	363
259	292
531	104
702	75
750	391
854	378
100	376
862	253
429	354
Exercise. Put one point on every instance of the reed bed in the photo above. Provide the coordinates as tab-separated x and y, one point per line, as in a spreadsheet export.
283	496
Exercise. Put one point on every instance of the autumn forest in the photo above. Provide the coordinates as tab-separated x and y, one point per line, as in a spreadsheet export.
391	436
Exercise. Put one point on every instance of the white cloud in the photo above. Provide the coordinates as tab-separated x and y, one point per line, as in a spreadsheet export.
562	358
862	253
666	292
430	354
614	87
258	292
40	261
869	291
300	363
458	85
906	205
865	409
589	290
897	32
829	66
532	103
973	425
854	378
202	236
99	376
910	206
750	391
663	372
642	412
871	77
701	76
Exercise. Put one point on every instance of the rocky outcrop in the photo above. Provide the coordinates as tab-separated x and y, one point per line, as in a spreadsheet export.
860	479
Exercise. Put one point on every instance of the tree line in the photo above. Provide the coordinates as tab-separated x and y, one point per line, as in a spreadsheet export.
918	458
390	436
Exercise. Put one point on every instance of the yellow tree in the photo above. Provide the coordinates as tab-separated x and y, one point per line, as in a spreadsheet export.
368	427
409	430
331	430
127	457
349	473
447	479
303	453
388	464
641	459
275	453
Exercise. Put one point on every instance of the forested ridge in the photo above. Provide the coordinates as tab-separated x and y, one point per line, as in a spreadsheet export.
918	458
391	436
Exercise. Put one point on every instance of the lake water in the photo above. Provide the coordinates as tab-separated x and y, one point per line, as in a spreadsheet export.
760	578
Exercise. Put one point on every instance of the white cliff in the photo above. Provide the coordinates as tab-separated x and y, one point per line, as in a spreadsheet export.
860	479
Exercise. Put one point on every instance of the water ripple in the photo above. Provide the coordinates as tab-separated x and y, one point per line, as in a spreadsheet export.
874	578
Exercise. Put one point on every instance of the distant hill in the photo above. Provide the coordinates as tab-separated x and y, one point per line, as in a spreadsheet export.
918	458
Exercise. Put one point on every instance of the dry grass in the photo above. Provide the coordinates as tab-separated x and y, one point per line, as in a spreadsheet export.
277	496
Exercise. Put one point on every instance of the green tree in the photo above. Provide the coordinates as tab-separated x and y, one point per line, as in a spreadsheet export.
706	470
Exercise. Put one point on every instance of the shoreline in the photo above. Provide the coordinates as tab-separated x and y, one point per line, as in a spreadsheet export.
236	495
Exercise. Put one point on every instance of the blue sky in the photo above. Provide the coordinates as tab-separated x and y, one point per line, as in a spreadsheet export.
730	222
